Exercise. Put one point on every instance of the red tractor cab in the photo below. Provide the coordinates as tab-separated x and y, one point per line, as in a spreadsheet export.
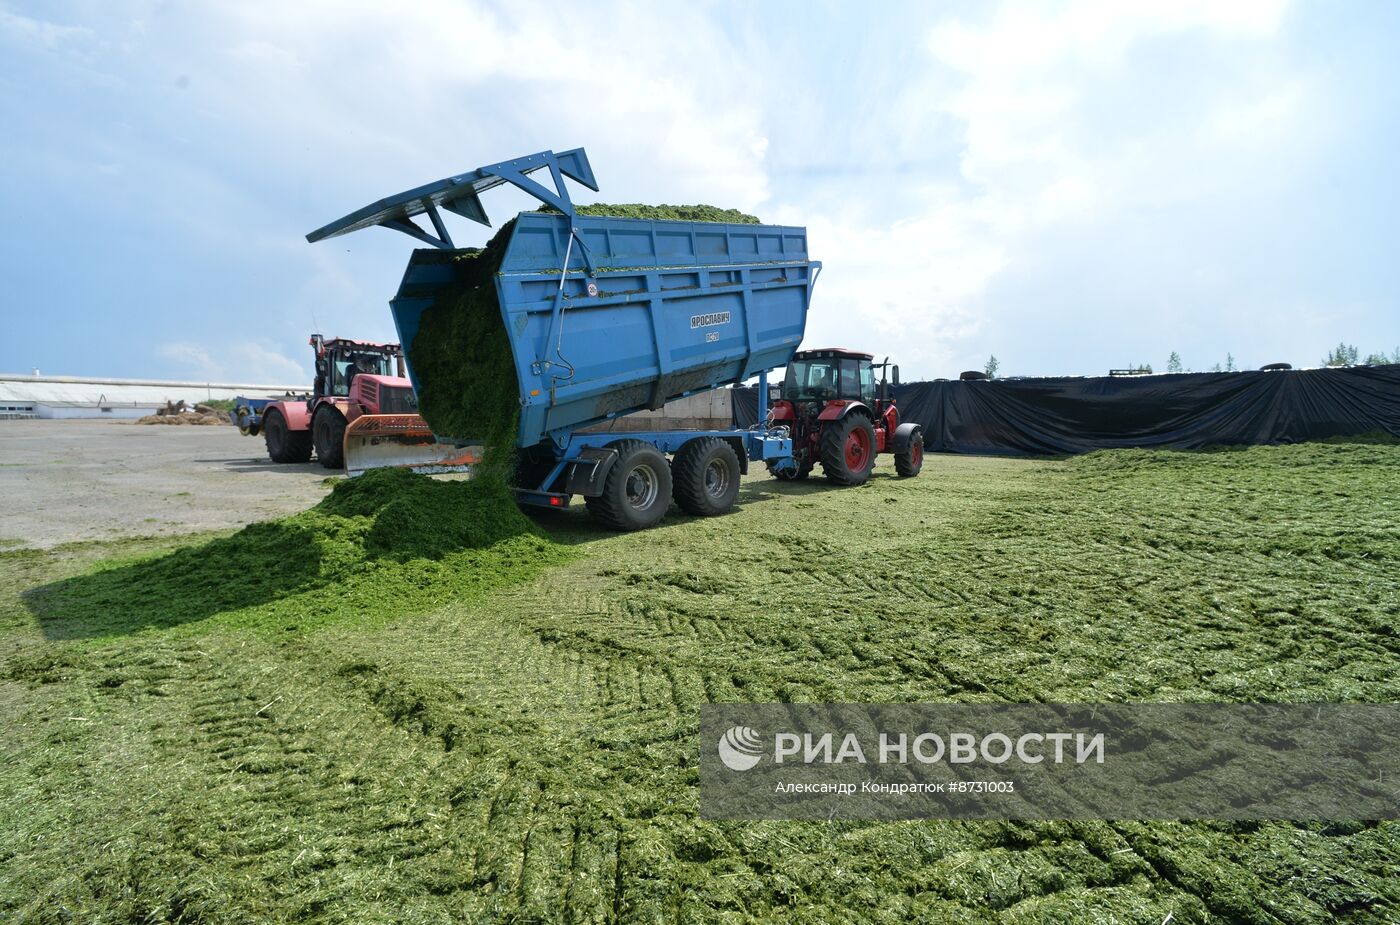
840	416
353	378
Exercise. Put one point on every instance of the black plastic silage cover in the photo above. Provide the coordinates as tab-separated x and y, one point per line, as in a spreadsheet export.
1027	417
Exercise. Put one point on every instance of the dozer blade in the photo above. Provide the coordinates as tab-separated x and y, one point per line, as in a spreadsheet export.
374	441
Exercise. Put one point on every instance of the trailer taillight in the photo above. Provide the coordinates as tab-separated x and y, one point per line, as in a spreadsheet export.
555	501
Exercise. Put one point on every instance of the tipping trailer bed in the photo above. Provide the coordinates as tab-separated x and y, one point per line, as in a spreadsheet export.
607	315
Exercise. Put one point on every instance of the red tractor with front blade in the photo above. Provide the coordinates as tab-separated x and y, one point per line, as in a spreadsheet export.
840	417
353	378
362	414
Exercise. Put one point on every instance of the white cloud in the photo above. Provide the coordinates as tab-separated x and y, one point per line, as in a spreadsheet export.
250	362
445	83
1059	125
903	289
929	182
265	54
191	357
237	128
47	34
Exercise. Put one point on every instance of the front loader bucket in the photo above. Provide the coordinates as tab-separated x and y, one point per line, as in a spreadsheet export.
375	441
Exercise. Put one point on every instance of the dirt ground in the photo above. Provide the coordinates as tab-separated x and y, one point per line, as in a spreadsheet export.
65	481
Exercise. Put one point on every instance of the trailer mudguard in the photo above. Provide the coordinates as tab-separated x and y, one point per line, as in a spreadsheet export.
588	472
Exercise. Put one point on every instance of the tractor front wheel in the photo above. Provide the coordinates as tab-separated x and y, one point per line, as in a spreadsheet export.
637	489
848	450
908	461
705	477
329	428
284	445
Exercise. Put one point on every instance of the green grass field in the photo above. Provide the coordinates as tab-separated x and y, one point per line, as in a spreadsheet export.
509	733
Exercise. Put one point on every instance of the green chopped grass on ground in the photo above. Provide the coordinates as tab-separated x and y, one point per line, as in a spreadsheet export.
377	546
394	739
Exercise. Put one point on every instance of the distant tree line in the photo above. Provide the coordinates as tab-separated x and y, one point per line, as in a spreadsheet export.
1343	354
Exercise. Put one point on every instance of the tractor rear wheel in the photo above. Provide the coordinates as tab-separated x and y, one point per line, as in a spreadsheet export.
637	489
848	450
908	461
329	428
283	444
705	477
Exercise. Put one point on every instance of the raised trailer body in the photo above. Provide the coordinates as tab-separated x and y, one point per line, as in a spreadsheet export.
607	316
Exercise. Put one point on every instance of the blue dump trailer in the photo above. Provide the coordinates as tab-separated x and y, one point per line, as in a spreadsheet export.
607	316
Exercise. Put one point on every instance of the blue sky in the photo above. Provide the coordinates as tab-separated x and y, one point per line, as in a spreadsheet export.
1071	186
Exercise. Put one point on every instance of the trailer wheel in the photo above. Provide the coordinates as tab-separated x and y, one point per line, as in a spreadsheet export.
637	490
329	428
705	477
284	445
848	450
908	461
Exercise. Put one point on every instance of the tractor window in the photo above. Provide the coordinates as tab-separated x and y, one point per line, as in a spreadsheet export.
338	384
810	379
867	383
850	379
373	363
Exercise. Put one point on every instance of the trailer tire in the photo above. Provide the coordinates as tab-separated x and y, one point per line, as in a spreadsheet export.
283	444
705	477
848	450
329	428
637	490
909	459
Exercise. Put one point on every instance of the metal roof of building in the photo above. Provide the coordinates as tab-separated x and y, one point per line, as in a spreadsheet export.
22	389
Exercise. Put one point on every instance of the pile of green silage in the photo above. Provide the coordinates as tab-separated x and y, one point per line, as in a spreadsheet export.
461	355
378	546
381	544
695	213
462	360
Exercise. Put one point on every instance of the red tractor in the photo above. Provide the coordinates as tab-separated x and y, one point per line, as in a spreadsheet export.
353	378
840	417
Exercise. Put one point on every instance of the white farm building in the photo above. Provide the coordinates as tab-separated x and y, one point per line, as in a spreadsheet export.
41	396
